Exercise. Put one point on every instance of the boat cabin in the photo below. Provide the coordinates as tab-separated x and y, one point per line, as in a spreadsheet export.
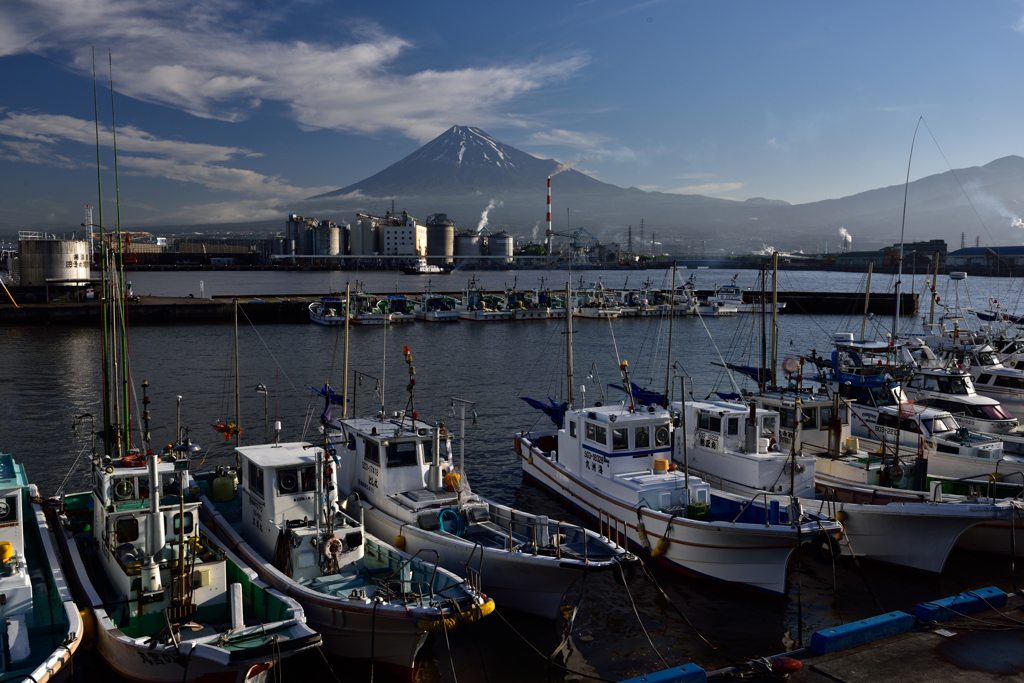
15	583
280	517
929	426
627	454
739	447
400	457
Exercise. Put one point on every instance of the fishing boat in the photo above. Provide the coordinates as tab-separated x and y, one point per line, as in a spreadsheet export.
478	306
731	295
421	267
367	599
329	311
531	304
42	627
373	310
595	302
437	308
402	471
800	442
168	602
613	463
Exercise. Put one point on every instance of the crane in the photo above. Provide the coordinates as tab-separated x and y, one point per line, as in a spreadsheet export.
578	247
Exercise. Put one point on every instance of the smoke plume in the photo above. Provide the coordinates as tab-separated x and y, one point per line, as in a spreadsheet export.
847	238
483	216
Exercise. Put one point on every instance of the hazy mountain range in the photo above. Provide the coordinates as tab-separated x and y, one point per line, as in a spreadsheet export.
464	170
478	180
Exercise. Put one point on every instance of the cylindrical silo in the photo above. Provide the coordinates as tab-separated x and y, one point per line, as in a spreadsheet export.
440	242
467	245
501	245
63	261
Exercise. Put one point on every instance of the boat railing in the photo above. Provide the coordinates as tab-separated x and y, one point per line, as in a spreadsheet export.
767	517
992	482
474	576
612	528
532	528
396	576
829	503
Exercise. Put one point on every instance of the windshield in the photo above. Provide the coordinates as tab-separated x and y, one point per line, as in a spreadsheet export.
942	424
957	384
986	358
996	412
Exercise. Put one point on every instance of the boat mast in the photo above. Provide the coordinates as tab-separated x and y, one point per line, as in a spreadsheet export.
763	370
568	338
238	399
935	282
775	315
903	225
108	435
344	387
671	319
123	293
867	297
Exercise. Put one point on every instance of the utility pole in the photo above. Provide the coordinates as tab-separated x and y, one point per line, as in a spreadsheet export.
642	243
629	242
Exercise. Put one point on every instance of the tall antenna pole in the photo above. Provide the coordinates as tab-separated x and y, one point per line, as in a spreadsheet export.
120	256
903	225
775	314
867	297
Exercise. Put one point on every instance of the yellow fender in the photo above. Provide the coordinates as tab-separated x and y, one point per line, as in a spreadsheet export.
88	628
467	617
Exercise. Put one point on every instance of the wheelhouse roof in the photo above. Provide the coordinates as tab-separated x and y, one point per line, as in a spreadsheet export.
281	455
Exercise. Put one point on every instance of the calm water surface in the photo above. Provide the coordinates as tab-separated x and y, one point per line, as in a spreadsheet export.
51	374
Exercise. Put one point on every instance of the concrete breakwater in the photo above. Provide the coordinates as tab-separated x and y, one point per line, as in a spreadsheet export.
150	310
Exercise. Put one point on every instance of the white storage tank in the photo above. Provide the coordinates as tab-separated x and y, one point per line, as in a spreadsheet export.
40	260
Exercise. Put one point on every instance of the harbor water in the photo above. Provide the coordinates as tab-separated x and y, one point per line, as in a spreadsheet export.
51	375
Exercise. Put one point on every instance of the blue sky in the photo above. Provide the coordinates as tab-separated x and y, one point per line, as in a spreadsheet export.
233	111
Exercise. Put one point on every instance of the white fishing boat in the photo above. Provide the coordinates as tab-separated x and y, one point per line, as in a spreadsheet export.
373	310
402	471
531	304
613	464
167	601
731	295
480	307
367	599
421	267
437	308
595	302
41	627
327	311
782	442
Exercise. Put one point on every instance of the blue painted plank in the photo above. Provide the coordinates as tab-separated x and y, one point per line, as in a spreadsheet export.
962	603
688	673
860	632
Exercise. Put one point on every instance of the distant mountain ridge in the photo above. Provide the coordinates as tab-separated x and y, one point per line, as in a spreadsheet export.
462	170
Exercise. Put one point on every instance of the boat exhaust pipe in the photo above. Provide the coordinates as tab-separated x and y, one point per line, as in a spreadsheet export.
751	431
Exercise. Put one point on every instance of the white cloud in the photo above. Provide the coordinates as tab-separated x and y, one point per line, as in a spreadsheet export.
592	146
214	59
773	144
708	189
1019	26
35	137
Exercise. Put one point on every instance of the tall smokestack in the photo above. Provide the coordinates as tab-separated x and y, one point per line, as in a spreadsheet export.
549	218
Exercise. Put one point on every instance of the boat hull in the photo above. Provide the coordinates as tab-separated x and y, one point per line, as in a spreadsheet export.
536	585
737	553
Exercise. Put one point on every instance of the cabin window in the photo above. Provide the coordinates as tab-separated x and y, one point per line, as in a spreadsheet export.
996	412
1010	382
597	433
787	418
661	435
189	524
428	453
711	423
401	454
288	481
308	475
256	479
572	429
642	437
887	420
984	379
909	424
371	451
126	530
768	424
943	424
810	418
620	438
734	426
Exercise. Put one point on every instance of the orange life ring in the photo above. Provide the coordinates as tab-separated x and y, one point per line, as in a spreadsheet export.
134	460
